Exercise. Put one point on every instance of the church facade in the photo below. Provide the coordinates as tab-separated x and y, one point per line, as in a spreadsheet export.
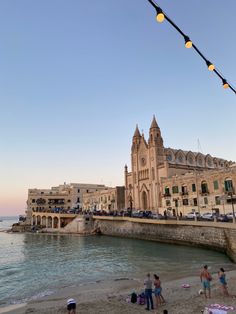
152	165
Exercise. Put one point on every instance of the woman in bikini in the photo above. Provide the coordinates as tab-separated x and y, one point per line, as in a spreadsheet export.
157	291
223	283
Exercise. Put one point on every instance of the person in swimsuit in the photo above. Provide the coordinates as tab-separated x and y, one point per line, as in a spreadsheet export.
223	283
157	291
206	278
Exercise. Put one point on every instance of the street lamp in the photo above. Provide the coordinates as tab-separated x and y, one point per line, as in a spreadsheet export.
230	193
176	207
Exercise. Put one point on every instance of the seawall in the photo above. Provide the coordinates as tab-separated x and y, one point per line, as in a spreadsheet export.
212	235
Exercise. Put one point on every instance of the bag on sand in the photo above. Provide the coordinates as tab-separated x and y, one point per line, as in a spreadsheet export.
141	299
133	298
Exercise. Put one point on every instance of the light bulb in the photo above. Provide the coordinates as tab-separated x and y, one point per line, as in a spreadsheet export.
210	66
225	84
160	15
188	43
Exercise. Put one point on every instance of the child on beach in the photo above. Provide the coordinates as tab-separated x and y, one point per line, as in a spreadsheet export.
71	306
223	283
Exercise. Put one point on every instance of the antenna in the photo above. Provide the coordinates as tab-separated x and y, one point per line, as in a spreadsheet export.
199	147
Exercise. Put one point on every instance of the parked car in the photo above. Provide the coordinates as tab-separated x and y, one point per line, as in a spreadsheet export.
223	218
157	216
207	216
230	215
192	215
136	214
147	214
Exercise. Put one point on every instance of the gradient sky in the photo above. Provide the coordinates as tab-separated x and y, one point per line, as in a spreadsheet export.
76	76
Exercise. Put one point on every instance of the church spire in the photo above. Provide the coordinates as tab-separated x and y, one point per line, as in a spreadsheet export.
137	133
154	124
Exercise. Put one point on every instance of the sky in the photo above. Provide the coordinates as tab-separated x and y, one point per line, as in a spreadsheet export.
76	76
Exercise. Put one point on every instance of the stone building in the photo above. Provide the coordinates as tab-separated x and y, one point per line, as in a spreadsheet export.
108	199
207	191
64	197
152	163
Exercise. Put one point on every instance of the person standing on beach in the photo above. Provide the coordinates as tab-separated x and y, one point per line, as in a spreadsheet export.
223	283
206	278
157	292
148	292
71	306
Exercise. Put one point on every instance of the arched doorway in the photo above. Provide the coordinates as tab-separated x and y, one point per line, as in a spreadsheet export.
144	201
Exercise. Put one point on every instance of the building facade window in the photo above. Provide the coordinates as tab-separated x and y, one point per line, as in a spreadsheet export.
205	200
167	191
175	189
168	203
185	201
228	185
217	200
216	185
184	190
204	187
193	187
195	201
153	174
78	190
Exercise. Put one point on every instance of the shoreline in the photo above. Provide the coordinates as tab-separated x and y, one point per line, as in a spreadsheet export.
110	297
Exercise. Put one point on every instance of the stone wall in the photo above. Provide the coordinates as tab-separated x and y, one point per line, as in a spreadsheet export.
217	236
81	225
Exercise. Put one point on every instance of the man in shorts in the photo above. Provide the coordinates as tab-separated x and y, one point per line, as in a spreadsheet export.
71	306
206	278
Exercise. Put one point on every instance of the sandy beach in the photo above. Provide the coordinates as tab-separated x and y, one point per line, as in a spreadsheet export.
110	297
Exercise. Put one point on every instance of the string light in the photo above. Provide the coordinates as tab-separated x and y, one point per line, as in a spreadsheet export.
161	16
188	43
225	84
210	66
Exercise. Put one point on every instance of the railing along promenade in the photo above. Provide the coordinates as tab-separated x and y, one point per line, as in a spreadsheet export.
181	222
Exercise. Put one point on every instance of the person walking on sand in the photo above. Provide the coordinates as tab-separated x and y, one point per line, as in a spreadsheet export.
206	278
158	291
148	292
223	283
71	306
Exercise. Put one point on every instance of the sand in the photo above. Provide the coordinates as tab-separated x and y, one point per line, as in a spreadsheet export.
109	297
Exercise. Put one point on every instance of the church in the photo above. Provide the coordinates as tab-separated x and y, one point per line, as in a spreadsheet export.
152	165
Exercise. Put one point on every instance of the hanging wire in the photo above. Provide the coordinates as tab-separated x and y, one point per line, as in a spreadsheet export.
189	44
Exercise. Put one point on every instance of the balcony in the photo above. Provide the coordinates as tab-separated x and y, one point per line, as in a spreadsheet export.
166	195
204	193
184	193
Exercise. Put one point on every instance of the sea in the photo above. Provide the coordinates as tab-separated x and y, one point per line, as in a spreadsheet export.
36	265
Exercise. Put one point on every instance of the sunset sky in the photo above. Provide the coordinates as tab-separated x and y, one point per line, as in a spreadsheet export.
76	76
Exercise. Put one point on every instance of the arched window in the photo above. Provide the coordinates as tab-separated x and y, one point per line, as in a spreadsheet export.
153	174
167	191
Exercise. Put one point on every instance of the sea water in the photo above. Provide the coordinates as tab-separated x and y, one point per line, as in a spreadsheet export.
34	265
